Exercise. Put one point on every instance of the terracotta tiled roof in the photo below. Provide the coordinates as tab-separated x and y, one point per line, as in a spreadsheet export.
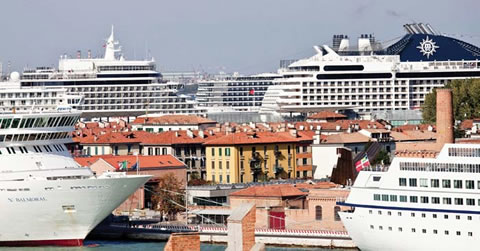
421	146
421	127
413	135
159	161
242	138
269	191
341	138
173	120
466	124
327	115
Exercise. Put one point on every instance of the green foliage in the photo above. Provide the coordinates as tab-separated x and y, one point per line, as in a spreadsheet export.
466	101
382	158
169	195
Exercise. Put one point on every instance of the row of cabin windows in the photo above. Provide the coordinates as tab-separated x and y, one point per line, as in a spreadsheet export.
227	151
319	213
33	136
37	122
425	199
424	231
423	215
440	167
38	149
435	183
463	152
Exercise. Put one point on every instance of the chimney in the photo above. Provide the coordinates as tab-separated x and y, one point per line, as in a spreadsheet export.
293	132
201	135
89	54
444	117
176	134
190	134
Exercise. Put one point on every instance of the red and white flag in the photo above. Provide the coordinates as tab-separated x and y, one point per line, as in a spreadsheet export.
362	163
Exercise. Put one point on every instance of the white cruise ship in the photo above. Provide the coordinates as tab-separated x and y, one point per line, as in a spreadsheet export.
418	203
112	86
47	198
234	93
370	78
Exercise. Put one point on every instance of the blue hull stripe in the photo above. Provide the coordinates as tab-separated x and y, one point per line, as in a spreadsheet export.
431	210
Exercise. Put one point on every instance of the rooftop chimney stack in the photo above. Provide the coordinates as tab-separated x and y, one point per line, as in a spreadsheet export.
444	117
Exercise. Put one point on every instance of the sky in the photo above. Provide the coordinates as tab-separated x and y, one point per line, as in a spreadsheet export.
245	36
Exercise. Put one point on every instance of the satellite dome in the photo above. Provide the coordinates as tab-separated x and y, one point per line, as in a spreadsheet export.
15	76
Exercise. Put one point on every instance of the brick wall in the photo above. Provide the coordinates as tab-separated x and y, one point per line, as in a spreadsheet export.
183	242
248	230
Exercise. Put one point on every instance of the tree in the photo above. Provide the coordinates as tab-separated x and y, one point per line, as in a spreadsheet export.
169	195
466	101
382	158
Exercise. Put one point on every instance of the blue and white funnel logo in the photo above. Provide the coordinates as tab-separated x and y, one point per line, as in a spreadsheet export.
428	47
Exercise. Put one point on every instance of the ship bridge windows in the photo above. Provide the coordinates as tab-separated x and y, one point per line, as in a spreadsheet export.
412	182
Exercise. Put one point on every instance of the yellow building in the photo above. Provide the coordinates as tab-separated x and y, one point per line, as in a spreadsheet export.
250	157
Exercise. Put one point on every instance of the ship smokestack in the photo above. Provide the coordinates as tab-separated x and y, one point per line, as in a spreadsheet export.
89	54
79	54
444	117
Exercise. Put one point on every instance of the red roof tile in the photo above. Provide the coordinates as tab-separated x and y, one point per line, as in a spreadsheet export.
159	161
269	191
323	115
242	138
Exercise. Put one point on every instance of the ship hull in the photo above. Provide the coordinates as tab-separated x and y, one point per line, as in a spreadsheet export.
59	212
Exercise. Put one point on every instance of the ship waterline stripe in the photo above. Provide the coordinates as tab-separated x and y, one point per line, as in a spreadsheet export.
432	210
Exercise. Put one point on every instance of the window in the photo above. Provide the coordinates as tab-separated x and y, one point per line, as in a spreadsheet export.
371	227
470	202
400	229
213	164
469	184
376	197
318	213
412	182
220	165
445	216
435	231
470	234
423	182
458	233
446	184
434	216
337	215
393	198
435	200
402	182
447	201
424	199
227	165
458	201
403	198
457	217
413	230
413	199
446	232
434	183
424	231
412	214
457	183
213	151
241	151
219	151
385	197
227	151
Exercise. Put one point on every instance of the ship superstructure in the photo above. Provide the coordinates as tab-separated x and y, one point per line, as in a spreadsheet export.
112	85
234	93
418	203
47	198
370	78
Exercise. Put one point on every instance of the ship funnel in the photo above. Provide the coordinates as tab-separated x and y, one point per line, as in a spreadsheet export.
364	44
344	45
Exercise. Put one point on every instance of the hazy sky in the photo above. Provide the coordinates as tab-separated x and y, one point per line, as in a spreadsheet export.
248	36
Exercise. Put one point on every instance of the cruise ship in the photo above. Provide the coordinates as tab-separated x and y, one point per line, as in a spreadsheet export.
234	93
423	200
370	78
112	86
47	198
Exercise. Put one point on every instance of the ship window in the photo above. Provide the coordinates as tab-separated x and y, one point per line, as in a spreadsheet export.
469	217
445	216
393	198
470	202
423	182
434	183
380	227
376	178
385	197
447	201
457	217
412	214
403	198
424	215
403	182
424	199
458	233
375	196
470	234
446	232
400	229
424	231
469	184
15	122
413	199
371	227
68	208
434	216
457	184
435	200
458	201
399	213
446	184
412	182
413	230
